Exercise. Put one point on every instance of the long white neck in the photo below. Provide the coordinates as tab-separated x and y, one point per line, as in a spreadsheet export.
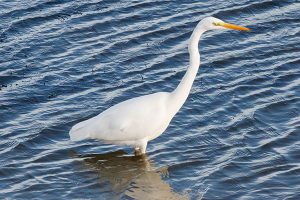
180	94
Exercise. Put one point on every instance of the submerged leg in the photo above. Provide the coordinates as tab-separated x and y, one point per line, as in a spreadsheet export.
137	151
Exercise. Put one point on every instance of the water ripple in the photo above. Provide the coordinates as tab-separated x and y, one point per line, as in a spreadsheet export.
235	138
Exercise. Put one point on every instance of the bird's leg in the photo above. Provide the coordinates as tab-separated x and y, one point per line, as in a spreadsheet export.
141	148
137	151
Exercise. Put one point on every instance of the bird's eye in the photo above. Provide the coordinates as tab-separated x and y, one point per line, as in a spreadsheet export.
217	23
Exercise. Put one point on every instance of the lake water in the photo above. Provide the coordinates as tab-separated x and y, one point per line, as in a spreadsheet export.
236	137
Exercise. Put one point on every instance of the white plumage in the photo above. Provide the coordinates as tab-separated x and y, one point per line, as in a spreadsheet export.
136	121
131	116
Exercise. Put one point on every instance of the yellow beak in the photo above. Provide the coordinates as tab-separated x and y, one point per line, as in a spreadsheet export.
234	27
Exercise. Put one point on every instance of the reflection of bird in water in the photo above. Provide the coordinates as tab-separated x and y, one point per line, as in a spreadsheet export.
131	176
136	121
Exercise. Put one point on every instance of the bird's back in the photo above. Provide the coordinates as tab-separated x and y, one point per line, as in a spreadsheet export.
134	119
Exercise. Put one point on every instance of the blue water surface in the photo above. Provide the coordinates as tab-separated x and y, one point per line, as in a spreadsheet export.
236	137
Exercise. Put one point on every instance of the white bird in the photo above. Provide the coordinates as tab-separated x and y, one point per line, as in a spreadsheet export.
136	121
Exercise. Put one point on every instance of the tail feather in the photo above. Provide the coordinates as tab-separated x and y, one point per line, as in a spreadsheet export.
78	134
80	131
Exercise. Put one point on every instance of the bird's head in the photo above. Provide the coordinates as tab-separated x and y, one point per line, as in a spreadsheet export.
212	23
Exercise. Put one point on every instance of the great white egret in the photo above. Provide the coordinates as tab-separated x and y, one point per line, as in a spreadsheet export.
136	121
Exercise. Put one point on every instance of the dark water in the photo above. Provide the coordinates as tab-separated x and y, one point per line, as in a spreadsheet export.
236	137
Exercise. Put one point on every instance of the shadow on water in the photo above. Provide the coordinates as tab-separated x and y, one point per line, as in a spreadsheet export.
131	176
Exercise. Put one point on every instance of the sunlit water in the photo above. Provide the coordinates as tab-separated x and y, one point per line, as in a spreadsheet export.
236	137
